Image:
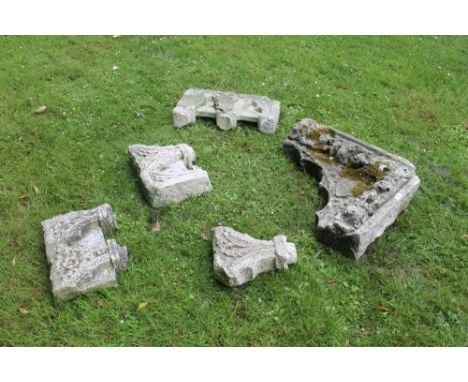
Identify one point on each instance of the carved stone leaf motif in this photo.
(367, 187)
(80, 258)
(227, 108)
(167, 173)
(239, 258)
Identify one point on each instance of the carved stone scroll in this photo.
(80, 258)
(239, 258)
(167, 173)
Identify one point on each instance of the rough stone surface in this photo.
(366, 187)
(227, 108)
(167, 173)
(80, 258)
(239, 258)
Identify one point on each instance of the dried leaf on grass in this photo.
(154, 224)
(383, 309)
(204, 235)
(40, 109)
(154, 227)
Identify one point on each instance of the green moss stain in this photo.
(304, 129)
(365, 177)
(321, 156)
(317, 132)
(367, 174)
(319, 150)
(360, 187)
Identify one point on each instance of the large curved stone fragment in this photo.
(167, 173)
(366, 186)
(239, 258)
(227, 108)
(80, 258)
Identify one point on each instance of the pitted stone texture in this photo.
(367, 187)
(239, 258)
(168, 174)
(80, 258)
(227, 108)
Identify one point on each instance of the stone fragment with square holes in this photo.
(227, 108)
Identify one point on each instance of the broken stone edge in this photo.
(355, 244)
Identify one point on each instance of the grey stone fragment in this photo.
(227, 108)
(80, 258)
(366, 186)
(239, 258)
(167, 173)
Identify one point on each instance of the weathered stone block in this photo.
(239, 258)
(167, 173)
(227, 108)
(366, 186)
(80, 258)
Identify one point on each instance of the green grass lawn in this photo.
(407, 95)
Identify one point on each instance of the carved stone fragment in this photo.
(167, 173)
(80, 258)
(366, 186)
(227, 108)
(239, 258)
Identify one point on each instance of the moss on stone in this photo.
(321, 156)
(304, 129)
(360, 188)
(365, 177)
(319, 150)
(317, 132)
(367, 174)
